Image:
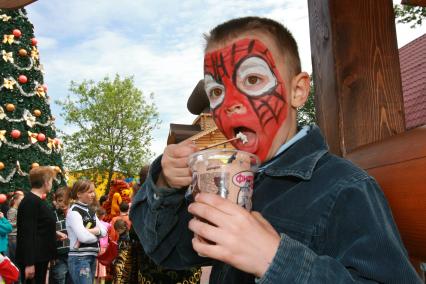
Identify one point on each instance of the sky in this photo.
(160, 43)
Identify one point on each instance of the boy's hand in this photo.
(176, 173)
(61, 236)
(242, 239)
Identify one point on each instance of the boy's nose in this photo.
(236, 108)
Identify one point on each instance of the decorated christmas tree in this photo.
(27, 132)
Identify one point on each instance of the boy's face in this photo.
(244, 82)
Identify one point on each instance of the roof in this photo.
(412, 59)
(180, 132)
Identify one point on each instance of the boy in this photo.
(316, 217)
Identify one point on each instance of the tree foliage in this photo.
(410, 14)
(306, 114)
(114, 124)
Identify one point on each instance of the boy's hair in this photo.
(15, 197)
(80, 186)
(63, 192)
(124, 206)
(120, 224)
(100, 212)
(143, 173)
(39, 175)
(102, 199)
(284, 40)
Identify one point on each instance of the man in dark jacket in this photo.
(36, 224)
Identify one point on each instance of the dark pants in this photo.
(40, 273)
(59, 271)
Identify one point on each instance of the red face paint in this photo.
(246, 94)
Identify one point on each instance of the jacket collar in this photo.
(301, 158)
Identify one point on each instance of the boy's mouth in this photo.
(251, 138)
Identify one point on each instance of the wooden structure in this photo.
(14, 4)
(360, 105)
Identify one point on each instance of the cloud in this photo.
(158, 42)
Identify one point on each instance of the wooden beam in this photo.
(356, 72)
(14, 4)
(421, 3)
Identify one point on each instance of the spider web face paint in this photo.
(246, 93)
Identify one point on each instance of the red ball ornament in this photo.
(43, 196)
(22, 79)
(17, 33)
(45, 88)
(15, 133)
(41, 137)
(3, 198)
(34, 41)
(56, 141)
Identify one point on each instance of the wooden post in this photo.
(356, 72)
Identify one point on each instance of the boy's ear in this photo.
(300, 88)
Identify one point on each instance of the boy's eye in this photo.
(252, 80)
(214, 90)
(255, 77)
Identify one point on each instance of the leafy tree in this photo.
(306, 114)
(410, 14)
(114, 125)
(27, 130)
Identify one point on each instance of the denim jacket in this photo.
(334, 221)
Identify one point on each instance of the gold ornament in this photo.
(8, 39)
(37, 112)
(34, 53)
(8, 84)
(34, 165)
(1, 166)
(2, 114)
(50, 143)
(10, 107)
(7, 56)
(40, 91)
(33, 137)
(2, 135)
(29, 118)
(22, 52)
(5, 17)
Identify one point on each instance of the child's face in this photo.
(244, 82)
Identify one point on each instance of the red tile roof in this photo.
(412, 59)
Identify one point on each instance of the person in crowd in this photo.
(121, 263)
(84, 230)
(5, 230)
(101, 270)
(316, 218)
(12, 215)
(36, 228)
(124, 215)
(59, 266)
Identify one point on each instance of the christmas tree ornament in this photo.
(3, 198)
(2, 135)
(22, 52)
(7, 56)
(43, 196)
(33, 41)
(2, 114)
(22, 79)
(8, 84)
(34, 53)
(29, 118)
(41, 137)
(10, 107)
(37, 112)
(40, 92)
(17, 33)
(8, 39)
(1, 166)
(5, 17)
(15, 133)
(33, 137)
(45, 88)
(34, 165)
